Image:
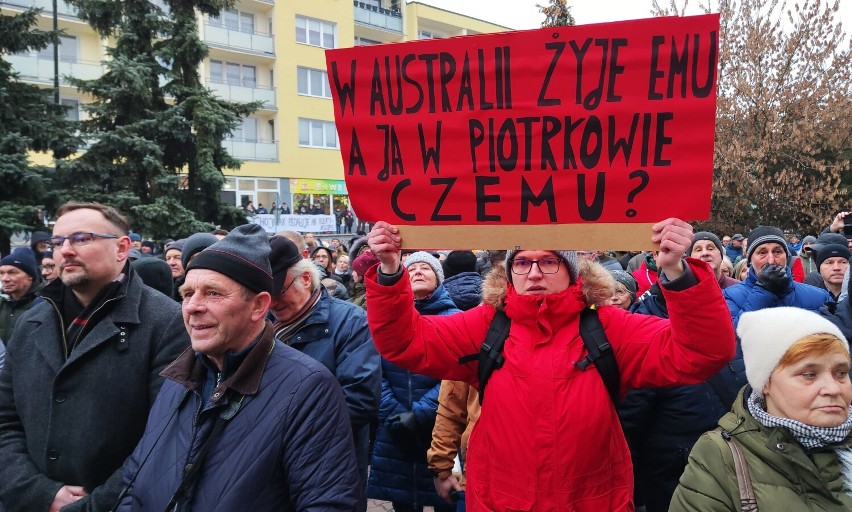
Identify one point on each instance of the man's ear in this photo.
(260, 305)
(124, 246)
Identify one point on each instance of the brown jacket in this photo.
(458, 410)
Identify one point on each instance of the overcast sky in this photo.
(523, 14)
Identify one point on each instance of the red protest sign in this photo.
(608, 123)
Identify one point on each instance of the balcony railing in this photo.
(35, 68)
(62, 8)
(386, 19)
(244, 93)
(255, 42)
(251, 149)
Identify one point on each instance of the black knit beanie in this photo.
(706, 235)
(832, 251)
(23, 259)
(764, 235)
(156, 273)
(243, 255)
(284, 254)
(458, 262)
(195, 244)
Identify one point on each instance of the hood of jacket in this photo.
(596, 284)
(438, 302)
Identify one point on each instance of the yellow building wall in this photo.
(295, 161)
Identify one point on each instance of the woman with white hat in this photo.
(786, 443)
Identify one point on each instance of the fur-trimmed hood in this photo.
(597, 283)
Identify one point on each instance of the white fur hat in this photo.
(767, 334)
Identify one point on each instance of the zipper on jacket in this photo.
(62, 328)
(90, 316)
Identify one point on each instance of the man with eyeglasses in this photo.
(331, 331)
(48, 268)
(82, 370)
(548, 437)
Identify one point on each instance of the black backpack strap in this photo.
(600, 353)
(490, 354)
(190, 474)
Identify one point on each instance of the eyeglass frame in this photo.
(536, 263)
(59, 241)
(284, 290)
(49, 268)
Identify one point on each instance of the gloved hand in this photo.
(404, 433)
(403, 421)
(774, 279)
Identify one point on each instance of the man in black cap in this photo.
(769, 282)
(833, 263)
(39, 243)
(814, 278)
(333, 332)
(462, 281)
(242, 422)
(21, 280)
(734, 250)
(48, 267)
(707, 247)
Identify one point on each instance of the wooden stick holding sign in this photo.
(588, 237)
(569, 137)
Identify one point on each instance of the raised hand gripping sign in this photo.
(593, 126)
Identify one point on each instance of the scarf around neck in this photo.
(807, 435)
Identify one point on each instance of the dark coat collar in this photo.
(189, 372)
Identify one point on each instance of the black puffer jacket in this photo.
(662, 425)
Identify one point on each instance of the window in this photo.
(313, 82)
(363, 41)
(246, 131)
(425, 34)
(315, 32)
(258, 191)
(72, 112)
(67, 50)
(233, 19)
(232, 73)
(317, 134)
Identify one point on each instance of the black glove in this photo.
(774, 279)
(403, 421)
(404, 433)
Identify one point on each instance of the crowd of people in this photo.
(238, 371)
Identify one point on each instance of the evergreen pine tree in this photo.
(29, 121)
(157, 131)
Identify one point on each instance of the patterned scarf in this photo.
(809, 436)
(284, 331)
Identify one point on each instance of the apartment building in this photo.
(272, 52)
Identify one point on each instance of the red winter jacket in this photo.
(548, 437)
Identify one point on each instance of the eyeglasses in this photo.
(284, 290)
(78, 239)
(49, 268)
(522, 266)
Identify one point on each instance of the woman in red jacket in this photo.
(548, 437)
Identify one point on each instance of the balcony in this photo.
(255, 42)
(385, 19)
(34, 68)
(244, 93)
(251, 149)
(62, 9)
